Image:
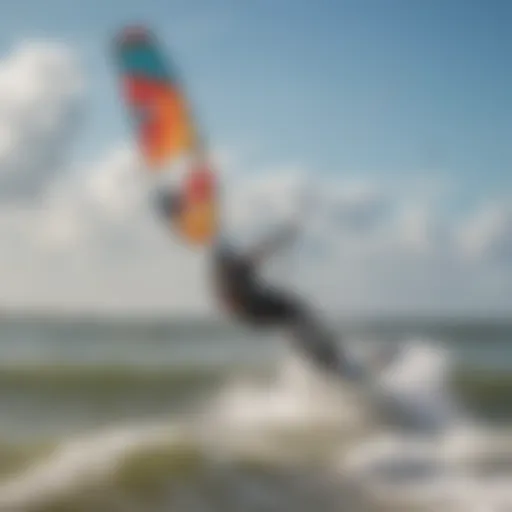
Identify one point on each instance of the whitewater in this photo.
(284, 439)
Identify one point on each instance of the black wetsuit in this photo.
(254, 302)
(245, 294)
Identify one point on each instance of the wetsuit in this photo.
(245, 295)
(241, 289)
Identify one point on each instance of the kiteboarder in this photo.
(244, 294)
(165, 132)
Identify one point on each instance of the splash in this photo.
(294, 440)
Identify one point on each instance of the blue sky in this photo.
(388, 88)
(412, 98)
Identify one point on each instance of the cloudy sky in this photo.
(394, 116)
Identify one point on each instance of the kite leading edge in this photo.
(165, 132)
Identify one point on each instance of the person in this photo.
(244, 294)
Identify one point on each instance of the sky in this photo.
(394, 115)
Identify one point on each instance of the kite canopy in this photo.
(165, 132)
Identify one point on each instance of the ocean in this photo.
(183, 415)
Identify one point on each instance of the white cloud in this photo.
(98, 246)
(358, 206)
(40, 98)
(488, 235)
(255, 202)
(95, 243)
(88, 238)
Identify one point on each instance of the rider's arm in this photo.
(270, 245)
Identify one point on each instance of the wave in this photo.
(177, 467)
(286, 441)
(488, 393)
